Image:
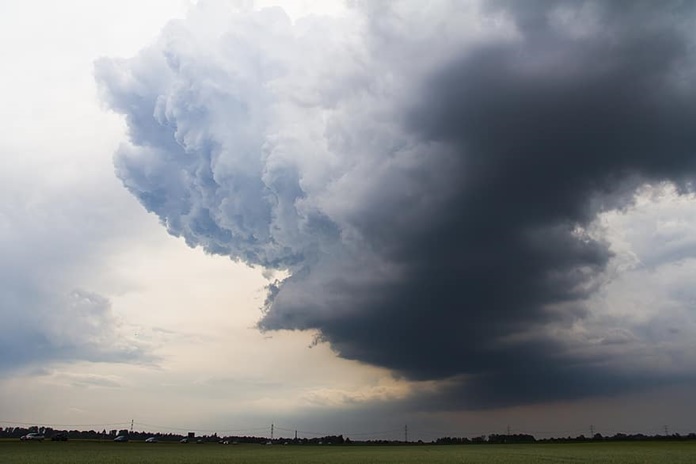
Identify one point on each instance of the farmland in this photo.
(79, 452)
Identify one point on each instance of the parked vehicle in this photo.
(151, 440)
(33, 436)
(61, 436)
(121, 438)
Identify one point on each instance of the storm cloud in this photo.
(429, 178)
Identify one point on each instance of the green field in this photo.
(79, 452)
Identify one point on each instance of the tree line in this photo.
(48, 432)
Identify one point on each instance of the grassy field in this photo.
(79, 452)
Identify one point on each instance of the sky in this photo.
(344, 218)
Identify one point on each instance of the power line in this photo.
(390, 434)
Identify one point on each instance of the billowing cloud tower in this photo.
(429, 177)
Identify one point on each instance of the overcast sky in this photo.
(345, 218)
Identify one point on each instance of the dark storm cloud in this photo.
(551, 130)
(440, 232)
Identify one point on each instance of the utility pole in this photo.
(271, 432)
(406, 433)
(131, 430)
(295, 435)
(591, 431)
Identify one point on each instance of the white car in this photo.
(32, 437)
(151, 440)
